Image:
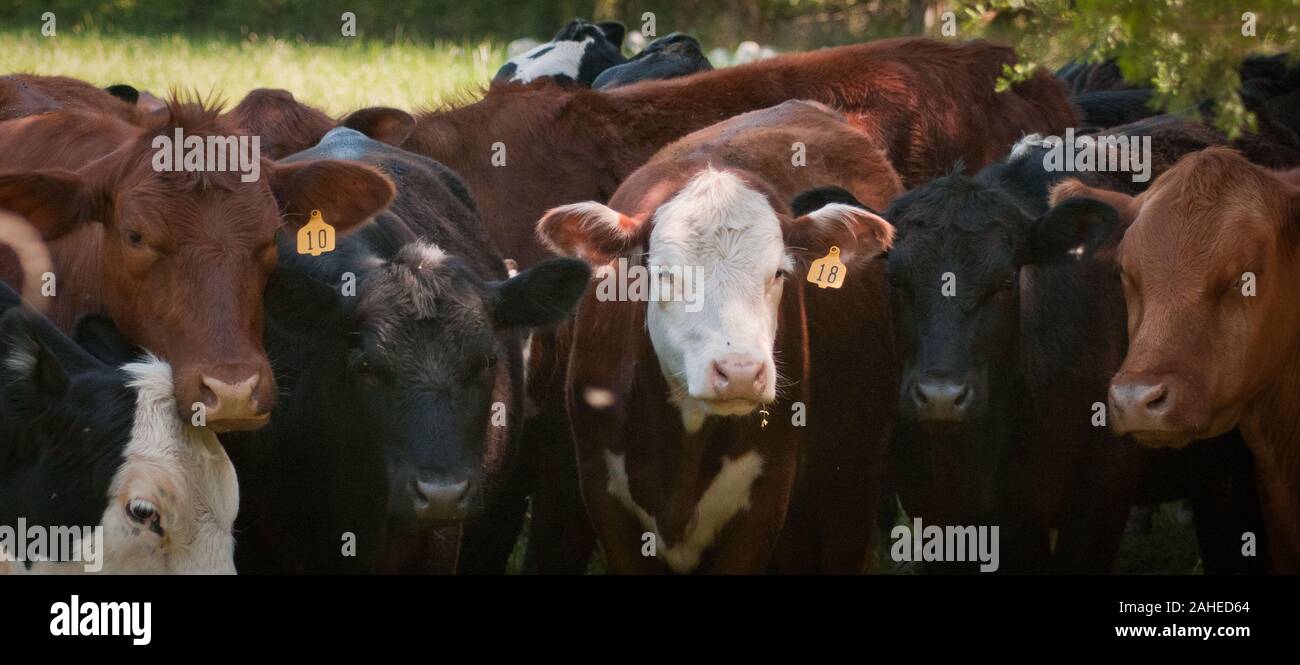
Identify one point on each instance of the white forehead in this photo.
(166, 454)
(717, 221)
(563, 59)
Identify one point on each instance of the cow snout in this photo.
(941, 400)
(236, 405)
(738, 376)
(1144, 408)
(440, 499)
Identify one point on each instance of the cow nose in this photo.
(232, 406)
(440, 499)
(940, 400)
(1141, 406)
(738, 376)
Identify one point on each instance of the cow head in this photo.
(85, 444)
(721, 251)
(955, 275)
(1209, 265)
(184, 256)
(579, 52)
(412, 361)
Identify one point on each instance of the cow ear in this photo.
(99, 336)
(589, 231)
(1071, 230)
(540, 296)
(387, 125)
(858, 232)
(813, 199)
(347, 193)
(124, 92)
(55, 202)
(31, 374)
(1125, 206)
(614, 32)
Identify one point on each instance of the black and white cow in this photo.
(578, 53)
(668, 57)
(88, 444)
(400, 361)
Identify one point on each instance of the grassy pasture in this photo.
(334, 77)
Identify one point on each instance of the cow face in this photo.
(722, 255)
(413, 361)
(86, 445)
(1209, 270)
(579, 52)
(955, 275)
(184, 256)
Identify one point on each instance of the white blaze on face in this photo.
(184, 475)
(726, 234)
(563, 59)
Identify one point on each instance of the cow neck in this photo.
(1271, 426)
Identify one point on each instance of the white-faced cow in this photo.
(578, 53)
(84, 444)
(686, 404)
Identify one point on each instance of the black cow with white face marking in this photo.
(401, 361)
(668, 57)
(578, 53)
(86, 444)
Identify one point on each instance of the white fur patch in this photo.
(1022, 147)
(181, 470)
(726, 495)
(726, 232)
(428, 254)
(564, 59)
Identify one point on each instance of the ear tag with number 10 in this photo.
(827, 272)
(316, 237)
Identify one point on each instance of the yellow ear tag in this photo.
(827, 272)
(316, 237)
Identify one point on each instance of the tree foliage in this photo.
(1188, 50)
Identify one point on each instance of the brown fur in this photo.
(22, 95)
(928, 103)
(189, 288)
(1228, 360)
(824, 476)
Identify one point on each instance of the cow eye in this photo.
(142, 511)
(492, 360)
(781, 273)
(1009, 282)
(134, 238)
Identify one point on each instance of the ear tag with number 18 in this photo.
(316, 237)
(827, 272)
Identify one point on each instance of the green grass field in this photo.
(335, 77)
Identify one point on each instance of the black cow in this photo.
(578, 53)
(668, 57)
(1109, 108)
(1009, 329)
(401, 367)
(85, 444)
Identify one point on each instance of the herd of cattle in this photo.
(1013, 345)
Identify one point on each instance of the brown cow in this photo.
(1209, 266)
(288, 126)
(22, 95)
(179, 259)
(665, 397)
(926, 102)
